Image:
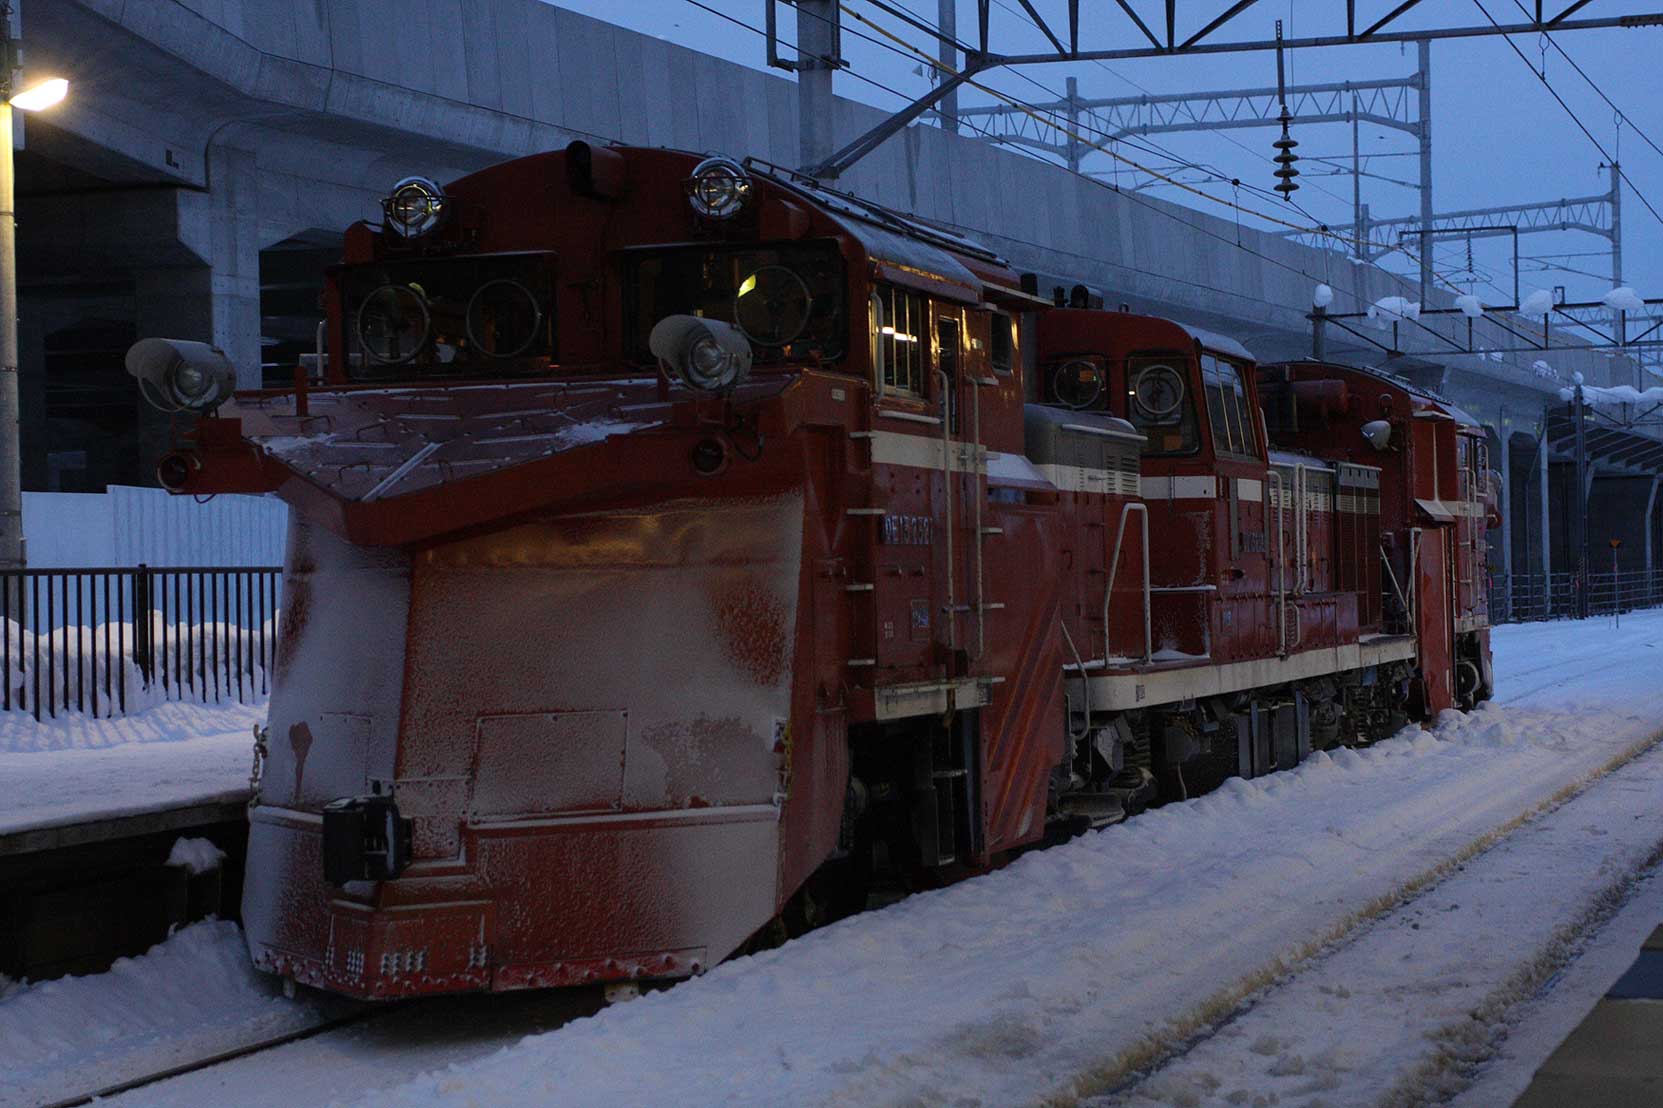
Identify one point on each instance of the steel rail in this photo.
(179, 1070)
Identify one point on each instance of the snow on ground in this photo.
(1537, 1027)
(1067, 963)
(84, 671)
(165, 757)
(1425, 990)
(1000, 990)
(190, 997)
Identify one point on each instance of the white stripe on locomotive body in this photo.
(1146, 688)
(1179, 488)
(926, 452)
(1249, 490)
(1109, 482)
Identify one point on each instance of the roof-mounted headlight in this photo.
(707, 354)
(176, 375)
(719, 188)
(415, 206)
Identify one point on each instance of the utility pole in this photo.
(1074, 154)
(1616, 225)
(1619, 318)
(1424, 50)
(12, 554)
(1360, 235)
(1579, 517)
(946, 22)
(817, 59)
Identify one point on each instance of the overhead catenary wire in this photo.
(1130, 196)
(1574, 117)
(1623, 116)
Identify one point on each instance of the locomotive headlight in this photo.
(176, 375)
(707, 354)
(719, 188)
(415, 206)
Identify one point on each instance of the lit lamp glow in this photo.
(41, 95)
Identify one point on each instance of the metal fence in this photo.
(1525, 597)
(104, 641)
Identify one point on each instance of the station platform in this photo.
(86, 834)
(1614, 1058)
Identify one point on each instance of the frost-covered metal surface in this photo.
(590, 718)
(375, 444)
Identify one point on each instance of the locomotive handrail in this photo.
(1114, 568)
(976, 500)
(1085, 684)
(1273, 475)
(1391, 575)
(947, 490)
(1414, 564)
(1301, 531)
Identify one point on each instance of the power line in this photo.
(1574, 117)
(1635, 127)
(1130, 196)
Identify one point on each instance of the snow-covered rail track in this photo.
(219, 1057)
(1404, 1006)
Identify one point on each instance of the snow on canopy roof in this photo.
(1616, 394)
(1212, 340)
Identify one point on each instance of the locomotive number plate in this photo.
(907, 530)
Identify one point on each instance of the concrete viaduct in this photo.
(198, 179)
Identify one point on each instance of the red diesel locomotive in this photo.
(673, 541)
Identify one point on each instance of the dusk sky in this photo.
(1498, 135)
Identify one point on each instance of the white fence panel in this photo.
(126, 526)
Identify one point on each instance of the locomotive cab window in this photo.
(1229, 414)
(897, 325)
(1002, 342)
(1159, 403)
(786, 299)
(486, 315)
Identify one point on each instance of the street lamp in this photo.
(41, 94)
(31, 96)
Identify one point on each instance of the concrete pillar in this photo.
(1504, 499)
(1651, 510)
(1620, 508)
(209, 292)
(1542, 473)
(817, 55)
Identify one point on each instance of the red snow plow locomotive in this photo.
(675, 541)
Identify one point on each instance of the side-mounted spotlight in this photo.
(176, 375)
(707, 354)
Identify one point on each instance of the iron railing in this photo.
(104, 641)
(1526, 597)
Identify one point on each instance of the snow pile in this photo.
(1392, 309)
(1539, 303)
(1544, 371)
(1623, 299)
(174, 755)
(198, 856)
(1322, 296)
(1615, 394)
(98, 660)
(1470, 305)
(188, 997)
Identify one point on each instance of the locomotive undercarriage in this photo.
(1124, 762)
